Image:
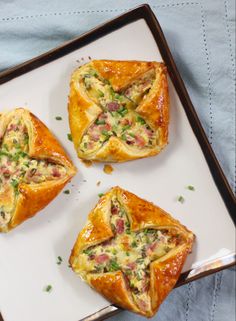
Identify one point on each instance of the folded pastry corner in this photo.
(131, 251)
(119, 110)
(33, 167)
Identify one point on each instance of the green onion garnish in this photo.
(140, 120)
(113, 266)
(100, 93)
(58, 118)
(191, 188)
(48, 288)
(100, 194)
(181, 199)
(134, 244)
(100, 122)
(67, 191)
(59, 260)
(69, 136)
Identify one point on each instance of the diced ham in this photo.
(140, 141)
(107, 127)
(55, 172)
(103, 116)
(6, 173)
(114, 210)
(32, 172)
(2, 168)
(91, 256)
(90, 145)
(13, 127)
(106, 243)
(162, 238)
(150, 248)
(126, 122)
(113, 106)
(95, 136)
(128, 92)
(102, 258)
(142, 304)
(145, 284)
(145, 84)
(131, 265)
(120, 226)
(148, 132)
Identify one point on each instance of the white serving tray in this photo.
(28, 254)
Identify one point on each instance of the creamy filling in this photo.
(131, 252)
(16, 166)
(118, 117)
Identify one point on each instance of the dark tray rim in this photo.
(145, 12)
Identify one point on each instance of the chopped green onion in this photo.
(87, 251)
(6, 147)
(100, 93)
(140, 120)
(100, 194)
(191, 188)
(94, 73)
(69, 136)
(128, 272)
(48, 288)
(140, 260)
(58, 118)
(113, 266)
(67, 191)
(105, 133)
(123, 137)
(26, 138)
(100, 122)
(3, 153)
(134, 244)
(14, 183)
(122, 111)
(27, 164)
(126, 127)
(59, 260)
(127, 253)
(181, 199)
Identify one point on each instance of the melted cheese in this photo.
(118, 117)
(129, 251)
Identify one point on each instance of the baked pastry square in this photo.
(119, 110)
(33, 167)
(131, 251)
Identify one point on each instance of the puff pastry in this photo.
(33, 167)
(131, 251)
(119, 110)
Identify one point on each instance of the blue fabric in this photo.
(201, 37)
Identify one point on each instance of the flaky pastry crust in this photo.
(139, 87)
(34, 167)
(111, 278)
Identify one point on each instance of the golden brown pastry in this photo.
(119, 110)
(131, 251)
(33, 167)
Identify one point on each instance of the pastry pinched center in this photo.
(119, 117)
(16, 166)
(130, 252)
